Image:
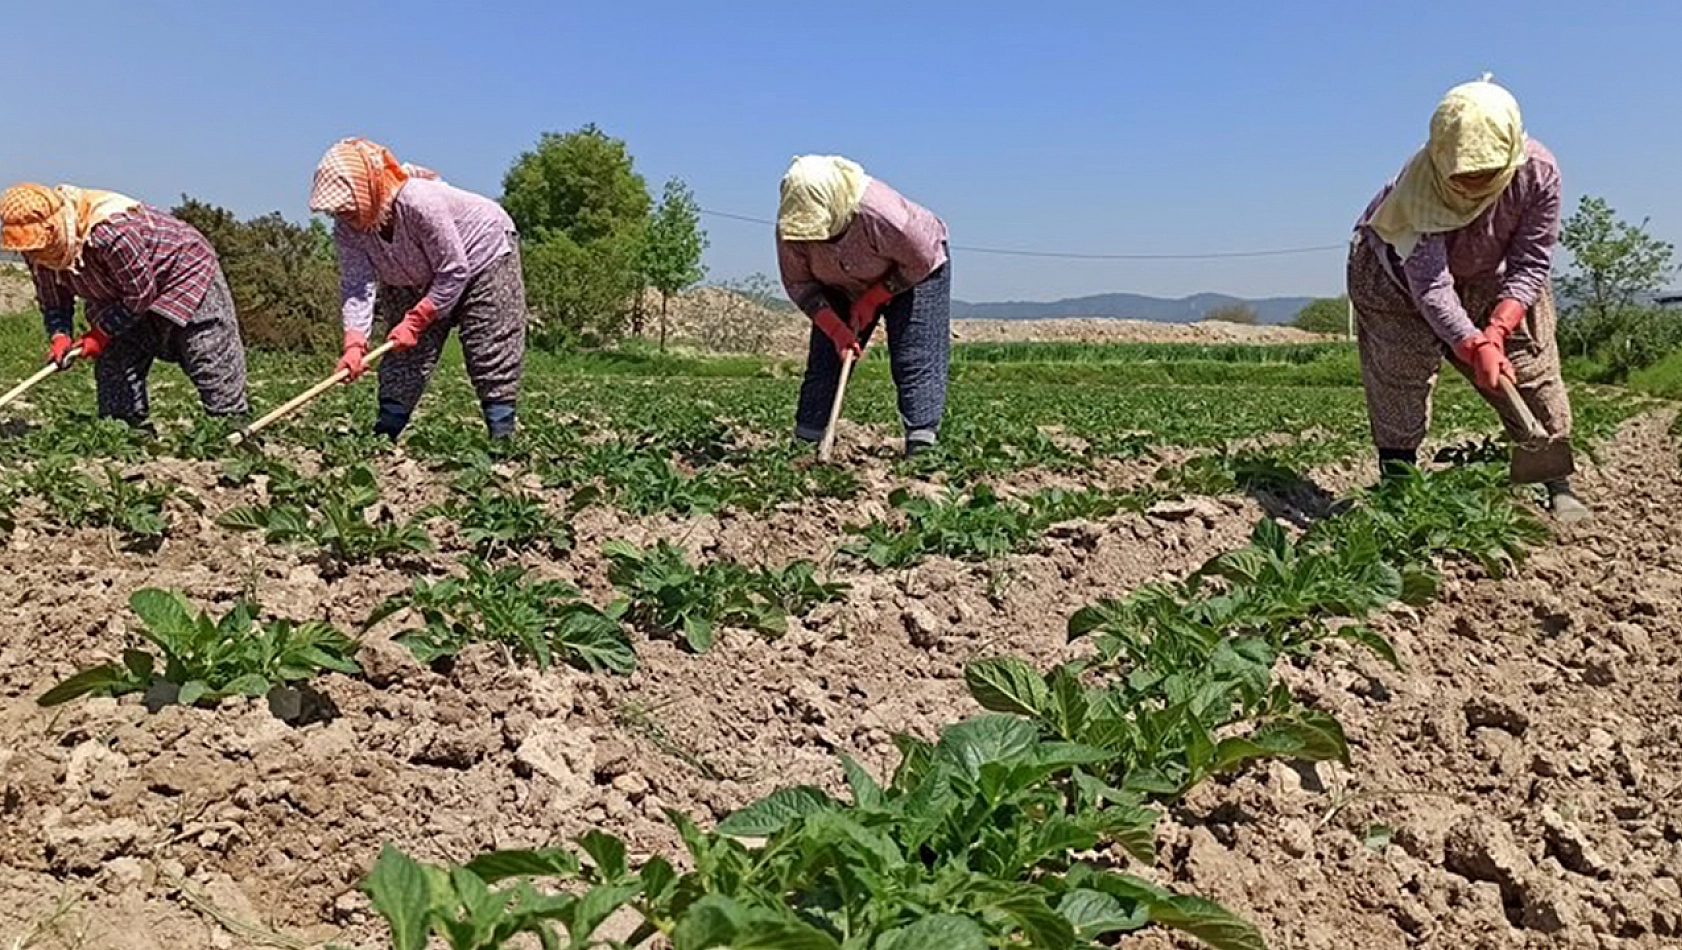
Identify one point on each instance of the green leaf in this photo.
(494, 866)
(398, 889)
(1420, 584)
(698, 633)
(167, 613)
(140, 665)
(107, 676)
(1372, 640)
(765, 934)
(866, 792)
(1377, 837)
(942, 931)
(970, 744)
(1007, 684)
(1208, 922)
(607, 853)
(1094, 913)
(251, 684)
(192, 691)
(710, 922)
(776, 811)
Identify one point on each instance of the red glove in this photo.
(356, 347)
(406, 334)
(845, 340)
(1488, 363)
(868, 305)
(58, 349)
(93, 343)
(1503, 320)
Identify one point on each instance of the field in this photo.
(1132, 660)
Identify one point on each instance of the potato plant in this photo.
(201, 659)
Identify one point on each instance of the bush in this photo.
(581, 293)
(284, 276)
(1662, 379)
(1325, 315)
(1233, 313)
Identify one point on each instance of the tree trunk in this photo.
(665, 307)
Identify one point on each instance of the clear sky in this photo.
(1097, 126)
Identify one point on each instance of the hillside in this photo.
(1129, 307)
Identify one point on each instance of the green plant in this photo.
(130, 505)
(542, 620)
(207, 659)
(335, 518)
(666, 595)
(1328, 315)
(968, 847)
(496, 521)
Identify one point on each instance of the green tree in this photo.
(1233, 313)
(1613, 262)
(582, 211)
(581, 292)
(672, 247)
(1325, 315)
(283, 276)
(583, 184)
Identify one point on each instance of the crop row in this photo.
(1019, 827)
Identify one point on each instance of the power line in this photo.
(1076, 256)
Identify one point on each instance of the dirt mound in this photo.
(718, 319)
(1102, 330)
(1516, 787)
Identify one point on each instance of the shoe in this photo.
(1568, 509)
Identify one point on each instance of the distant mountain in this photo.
(1130, 307)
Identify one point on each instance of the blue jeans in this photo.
(919, 349)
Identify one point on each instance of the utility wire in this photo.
(1075, 256)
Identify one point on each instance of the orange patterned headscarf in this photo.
(358, 181)
(52, 225)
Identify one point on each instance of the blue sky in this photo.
(1099, 127)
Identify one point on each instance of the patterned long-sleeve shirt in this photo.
(1512, 242)
(891, 241)
(441, 238)
(138, 262)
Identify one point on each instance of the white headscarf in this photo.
(820, 196)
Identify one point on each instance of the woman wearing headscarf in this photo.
(1455, 254)
(437, 257)
(152, 286)
(851, 250)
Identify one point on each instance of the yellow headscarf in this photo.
(820, 195)
(52, 225)
(1476, 128)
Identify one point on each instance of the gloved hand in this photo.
(356, 347)
(868, 305)
(1503, 320)
(93, 343)
(407, 333)
(58, 349)
(1489, 364)
(845, 340)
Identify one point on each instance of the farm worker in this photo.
(1455, 253)
(437, 257)
(851, 250)
(153, 289)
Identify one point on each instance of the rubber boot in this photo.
(392, 419)
(499, 418)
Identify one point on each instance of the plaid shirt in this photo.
(142, 261)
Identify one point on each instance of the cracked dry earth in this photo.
(1517, 786)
